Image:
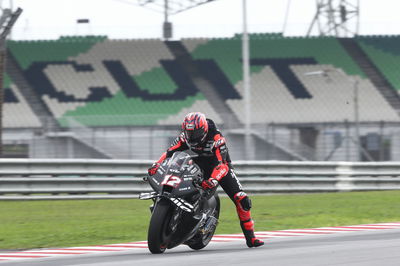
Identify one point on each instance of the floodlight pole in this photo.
(167, 26)
(7, 21)
(246, 84)
(166, 11)
(357, 116)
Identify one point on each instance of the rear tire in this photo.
(158, 229)
(200, 240)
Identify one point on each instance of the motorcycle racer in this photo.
(200, 135)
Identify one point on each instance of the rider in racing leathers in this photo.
(202, 137)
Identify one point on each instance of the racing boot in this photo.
(243, 206)
(248, 231)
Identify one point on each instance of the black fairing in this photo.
(181, 184)
(177, 176)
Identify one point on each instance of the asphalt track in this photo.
(351, 248)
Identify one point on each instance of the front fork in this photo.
(151, 207)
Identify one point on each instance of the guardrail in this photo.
(88, 179)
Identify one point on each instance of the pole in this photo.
(246, 83)
(381, 141)
(8, 19)
(2, 73)
(167, 26)
(357, 118)
(346, 122)
(165, 11)
(286, 16)
(358, 18)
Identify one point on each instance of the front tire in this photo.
(158, 233)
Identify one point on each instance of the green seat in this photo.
(384, 51)
(228, 52)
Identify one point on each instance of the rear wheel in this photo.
(200, 240)
(158, 234)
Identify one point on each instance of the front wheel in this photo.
(201, 240)
(158, 229)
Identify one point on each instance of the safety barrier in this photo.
(89, 178)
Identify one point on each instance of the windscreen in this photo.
(178, 162)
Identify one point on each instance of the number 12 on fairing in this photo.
(171, 180)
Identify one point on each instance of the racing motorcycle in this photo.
(182, 212)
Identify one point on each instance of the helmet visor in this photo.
(194, 137)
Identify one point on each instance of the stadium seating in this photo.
(384, 51)
(101, 82)
(17, 113)
(281, 92)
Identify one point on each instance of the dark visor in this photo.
(194, 136)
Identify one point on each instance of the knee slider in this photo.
(246, 203)
(242, 199)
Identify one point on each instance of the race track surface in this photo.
(349, 247)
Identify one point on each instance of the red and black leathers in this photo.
(214, 160)
(153, 169)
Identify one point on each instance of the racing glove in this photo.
(153, 169)
(209, 184)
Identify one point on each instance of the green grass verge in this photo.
(35, 224)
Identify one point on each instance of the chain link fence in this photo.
(378, 141)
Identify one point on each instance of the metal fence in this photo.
(26, 179)
(379, 141)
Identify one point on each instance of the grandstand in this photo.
(384, 51)
(96, 77)
(112, 98)
(17, 112)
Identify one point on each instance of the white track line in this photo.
(73, 251)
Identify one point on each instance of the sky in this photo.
(124, 19)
